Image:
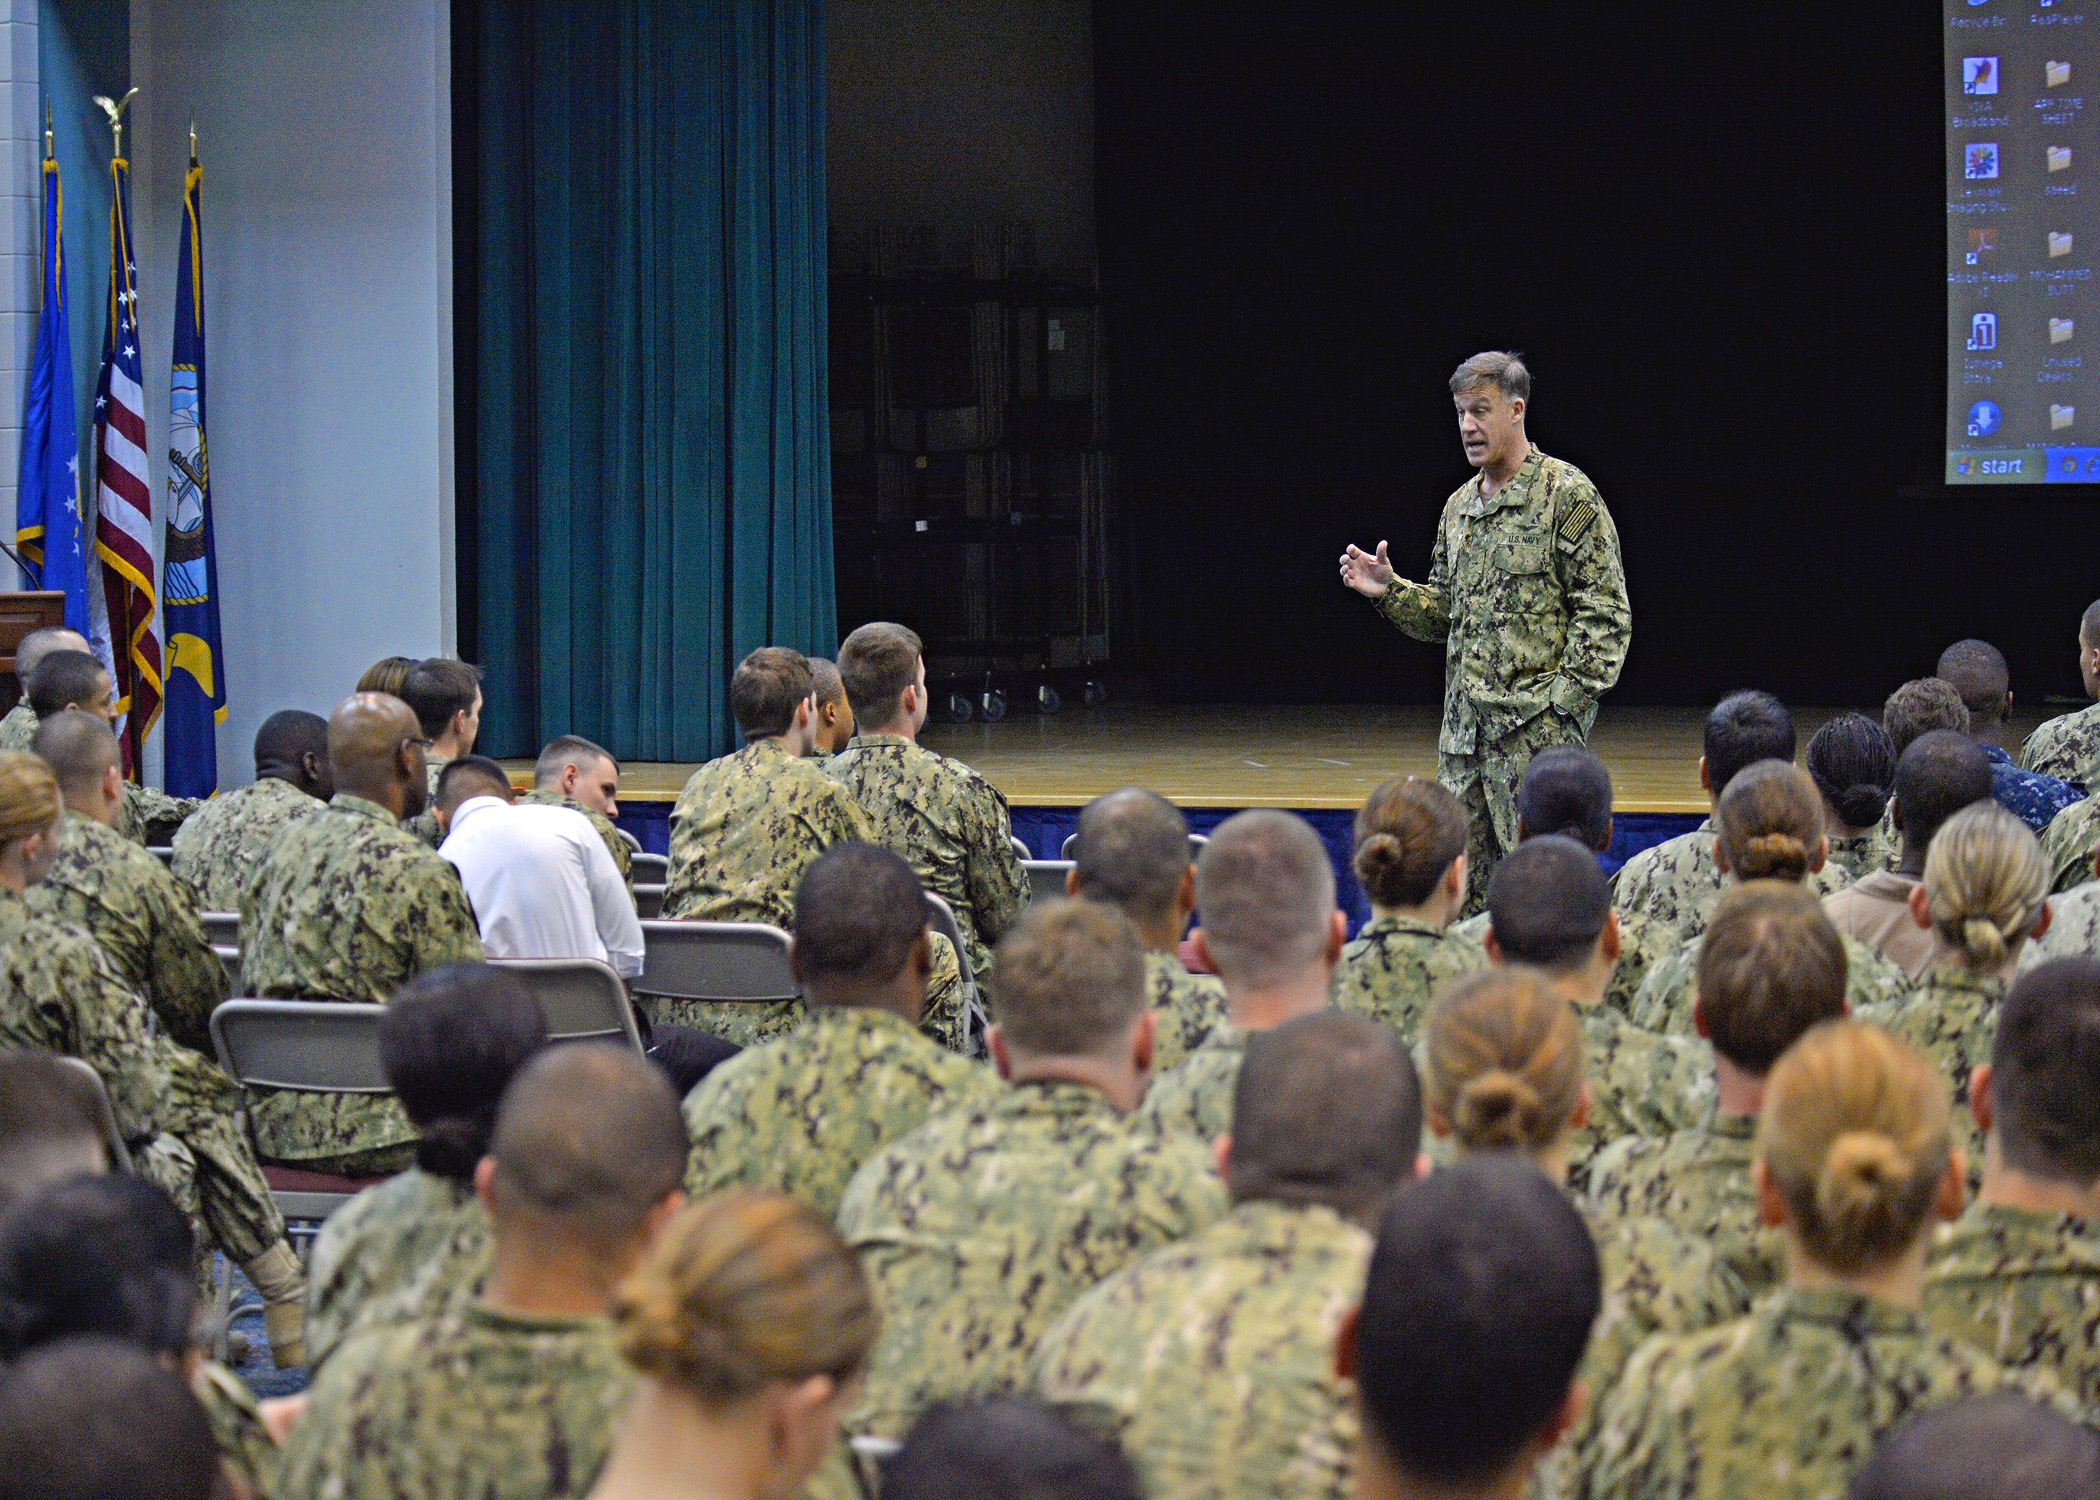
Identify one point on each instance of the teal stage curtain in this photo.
(646, 485)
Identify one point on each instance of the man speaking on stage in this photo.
(1526, 590)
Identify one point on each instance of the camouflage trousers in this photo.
(1485, 783)
(206, 1165)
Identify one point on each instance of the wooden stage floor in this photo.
(1277, 757)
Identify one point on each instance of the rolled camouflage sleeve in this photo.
(1593, 581)
(1422, 610)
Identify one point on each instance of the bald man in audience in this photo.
(1273, 934)
(1133, 854)
(1977, 670)
(349, 906)
(573, 772)
(218, 851)
(516, 1394)
(20, 723)
(65, 679)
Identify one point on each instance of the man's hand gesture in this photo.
(1365, 572)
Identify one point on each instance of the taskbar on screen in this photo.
(2044, 465)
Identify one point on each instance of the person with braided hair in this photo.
(1854, 1161)
(1852, 761)
(1411, 861)
(1768, 825)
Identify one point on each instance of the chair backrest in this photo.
(649, 902)
(725, 961)
(1021, 851)
(650, 869)
(230, 960)
(1070, 847)
(222, 929)
(165, 853)
(583, 998)
(1046, 877)
(940, 916)
(312, 1046)
(105, 1116)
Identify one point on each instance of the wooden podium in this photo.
(36, 609)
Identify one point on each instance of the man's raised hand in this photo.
(1367, 573)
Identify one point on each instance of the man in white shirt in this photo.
(540, 879)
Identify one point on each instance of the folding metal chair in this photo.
(737, 963)
(940, 916)
(230, 960)
(649, 902)
(650, 869)
(222, 929)
(165, 853)
(1070, 847)
(105, 1116)
(583, 998)
(1021, 851)
(1046, 878)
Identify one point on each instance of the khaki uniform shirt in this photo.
(2070, 841)
(1668, 993)
(1678, 881)
(1190, 1007)
(415, 1245)
(2023, 1287)
(346, 906)
(1875, 909)
(1394, 967)
(981, 1227)
(218, 851)
(1212, 1361)
(801, 1114)
(478, 1404)
(2067, 746)
(1194, 1098)
(949, 824)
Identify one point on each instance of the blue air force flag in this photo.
(48, 532)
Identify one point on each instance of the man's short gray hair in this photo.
(1266, 891)
(1499, 368)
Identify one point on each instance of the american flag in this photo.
(123, 492)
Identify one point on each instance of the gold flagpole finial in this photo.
(115, 108)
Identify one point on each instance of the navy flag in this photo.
(47, 502)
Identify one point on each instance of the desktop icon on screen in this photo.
(2056, 75)
(2059, 158)
(1983, 243)
(2059, 244)
(1979, 75)
(2061, 417)
(1984, 418)
(1983, 331)
(2060, 330)
(1980, 161)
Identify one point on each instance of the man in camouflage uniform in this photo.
(583, 777)
(978, 1229)
(2018, 1275)
(500, 1399)
(2068, 746)
(124, 897)
(833, 725)
(1271, 931)
(2071, 841)
(1668, 995)
(19, 726)
(1133, 854)
(1528, 594)
(65, 679)
(348, 906)
(800, 1114)
(445, 697)
(218, 851)
(1212, 1361)
(949, 823)
(1771, 968)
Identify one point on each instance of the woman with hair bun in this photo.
(1411, 862)
(1854, 1163)
(1503, 1071)
(750, 1324)
(1852, 761)
(1768, 825)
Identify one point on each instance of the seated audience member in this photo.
(1999, 1447)
(1212, 1360)
(60, 992)
(451, 1042)
(1133, 855)
(2068, 746)
(220, 847)
(20, 722)
(2018, 1275)
(1854, 1160)
(1549, 908)
(1676, 881)
(2071, 841)
(1272, 933)
(800, 1114)
(1852, 762)
(949, 823)
(1771, 966)
(113, 1257)
(74, 679)
(1770, 827)
(125, 898)
(387, 675)
(2074, 925)
(1977, 671)
(1007, 1448)
(1465, 1349)
(982, 1226)
(514, 1395)
(833, 724)
(348, 906)
(1566, 789)
(1985, 893)
(50, 1125)
(1503, 1070)
(747, 1326)
(1411, 861)
(1939, 773)
(539, 878)
(583, 777)
(445, 697)
(91, 1418)
(1924, 705)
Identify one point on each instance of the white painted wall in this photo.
(325, 132)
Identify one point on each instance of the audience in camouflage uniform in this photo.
(2068, 746)
(218, 851)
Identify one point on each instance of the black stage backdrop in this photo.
(1715, 231)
